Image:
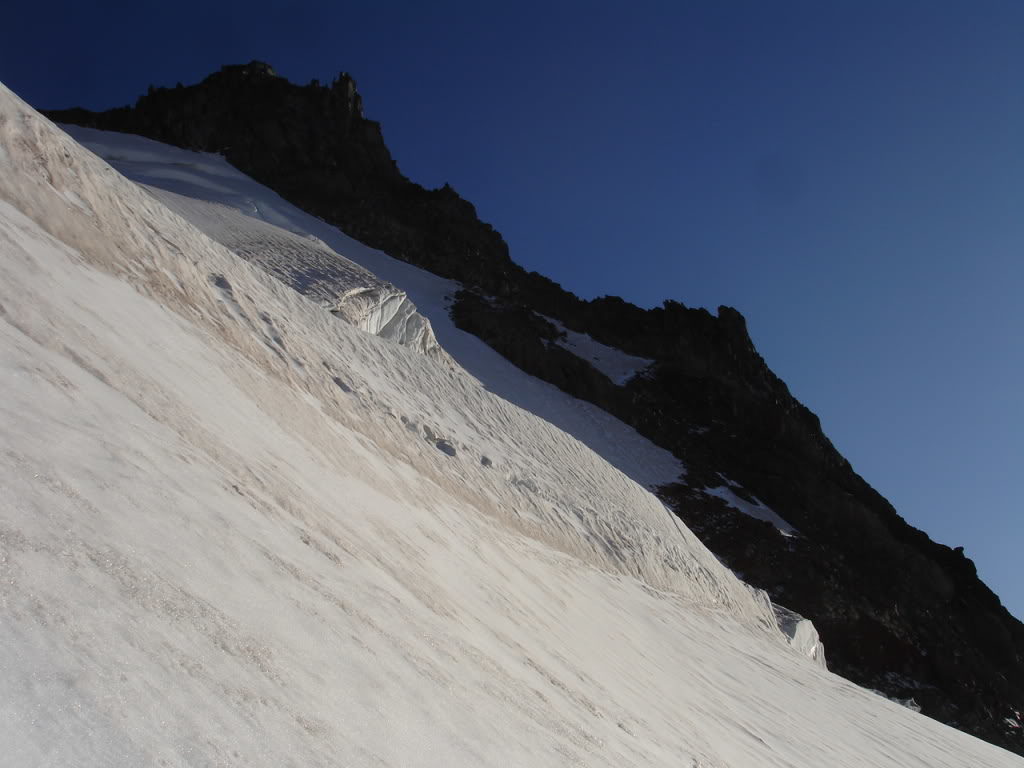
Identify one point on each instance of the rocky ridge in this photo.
(898, 612)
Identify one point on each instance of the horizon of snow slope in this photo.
(228, 537)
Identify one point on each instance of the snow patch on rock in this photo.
(756, 508)
(613, 363)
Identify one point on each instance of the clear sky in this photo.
(849, 175)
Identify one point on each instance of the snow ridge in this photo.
(239, 214)
(174, 174)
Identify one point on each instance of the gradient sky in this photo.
(849, 175)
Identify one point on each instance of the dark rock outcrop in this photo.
(898, 612)
(312, 145)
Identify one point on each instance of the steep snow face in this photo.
(539, 480)
(305, 263)
(237, 531)
(204, 179)
(245, 217)
(801, 634)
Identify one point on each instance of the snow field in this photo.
(228, 537)
(211, 185)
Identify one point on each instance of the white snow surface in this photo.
(254, 223)
(756, 509)
(801, 634)
(306, 264)
(225, 539)
(212, 186)
(613, 363)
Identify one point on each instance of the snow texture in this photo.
(257, 225)
(228, 537)
(207, 178)
(801, 634)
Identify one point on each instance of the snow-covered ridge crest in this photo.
(256, 224)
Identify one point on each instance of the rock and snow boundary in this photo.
(264, 229)
(353, 280)
(259, 226)
(228, 537)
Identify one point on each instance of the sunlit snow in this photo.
(228, 537)
(202, 187)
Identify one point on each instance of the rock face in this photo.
(312, 145)
(898, 612)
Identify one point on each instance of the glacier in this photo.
(202, 187)
(231, 534)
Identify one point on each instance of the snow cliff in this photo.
(257, 225)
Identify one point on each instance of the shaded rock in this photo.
(445, 446)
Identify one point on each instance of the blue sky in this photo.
(849, 175)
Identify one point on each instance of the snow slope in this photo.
(202, 187)
(260, 227)
(228, 537)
